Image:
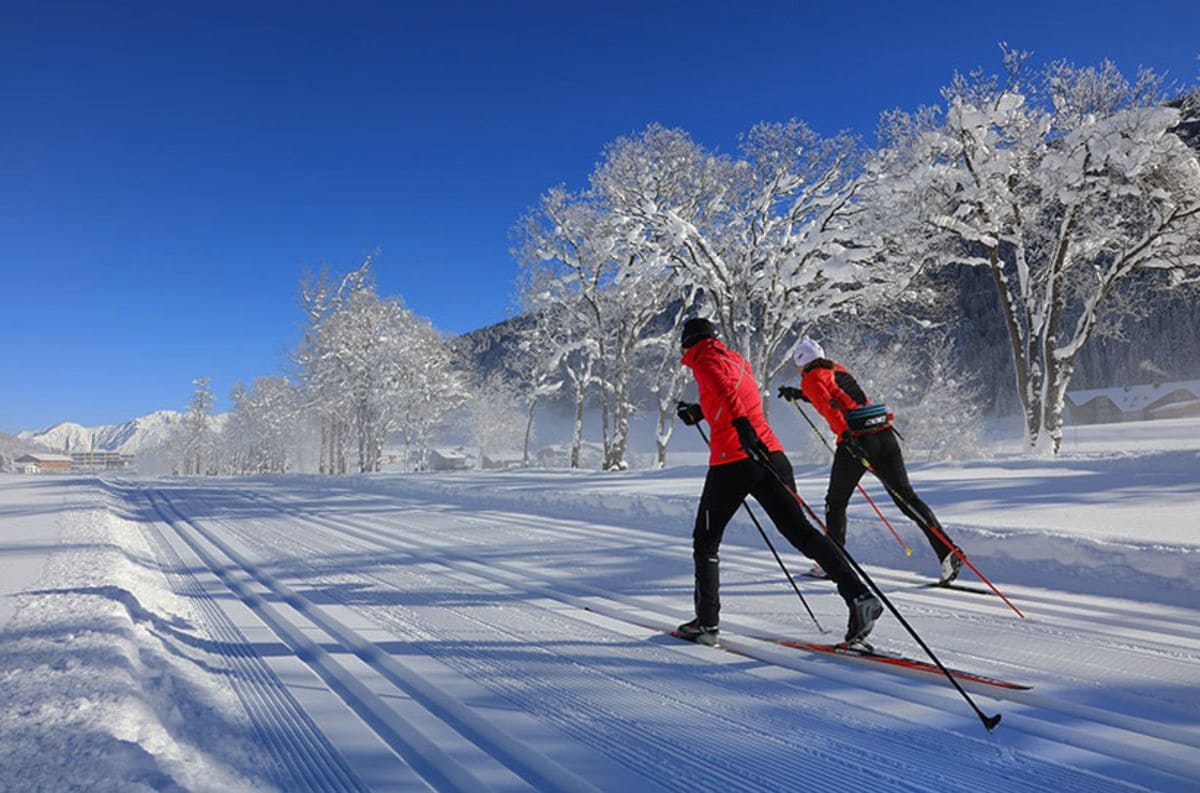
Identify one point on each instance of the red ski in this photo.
(872, 655)
(889, 661)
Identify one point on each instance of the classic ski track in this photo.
(933, 607)
(1070, 711)
(976, 608)
(685, 773)
(658, 755)
(293, 741)
(439, 770)
(988, 606)
(1082, 606)
(1064, 776)
(927, 602)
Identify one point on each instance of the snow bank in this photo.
(97, 693)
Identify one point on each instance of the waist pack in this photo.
(868, 419)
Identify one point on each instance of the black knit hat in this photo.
(696, 329)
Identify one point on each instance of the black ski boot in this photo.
(951, 565)
(865, 609)
(700, 634)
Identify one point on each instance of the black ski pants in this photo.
(882, 450)
(725, 488)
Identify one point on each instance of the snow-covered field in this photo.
(476, 631)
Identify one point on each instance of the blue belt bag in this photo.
(868, 419)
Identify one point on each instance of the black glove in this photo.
(751, 444)
(790, 393)
(689, 413)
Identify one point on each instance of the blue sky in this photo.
(167, 170)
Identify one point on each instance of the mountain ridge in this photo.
(130, 437)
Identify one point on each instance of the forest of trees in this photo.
(1029, 215)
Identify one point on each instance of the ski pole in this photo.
(774, 553)
(989, 722)
(857, 451)
(871, 501)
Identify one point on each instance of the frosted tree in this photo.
(608, 269)
(427, 385)
(767, 238)
(560, 347)
(263, 426)
(199, 440)
(326, 397)
(569, 252)
(668, 377)
(536, 365)
(496, 419)
(371, 368)
(1069, 186)
(912, 369)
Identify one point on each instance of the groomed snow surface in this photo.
(476, 631)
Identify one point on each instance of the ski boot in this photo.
(951, 566)
(693, 631)
(865, 609)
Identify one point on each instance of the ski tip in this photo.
(908, 551)
(991, 721)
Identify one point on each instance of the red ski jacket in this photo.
(728, 391)
(832, 391)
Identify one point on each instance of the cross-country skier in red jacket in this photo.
(835, 394)
(742, 448)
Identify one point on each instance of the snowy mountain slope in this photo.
(131, 437)
(64, 435)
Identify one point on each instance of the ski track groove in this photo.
(583, 717)
(1082, 606)
(968, 606)
(342, 528)
(983, 605)
(437, 770)
(932, 603)
(293, 741)
(903, 777)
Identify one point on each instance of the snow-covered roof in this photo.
(47, 458)
(1136, 397)
(1173, 406)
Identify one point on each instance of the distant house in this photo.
(448, 460)
(499, 463)
(1134, 403)
(101, 460)
(27, 468)
(47, 462)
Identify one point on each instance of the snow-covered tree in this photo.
(767, 238)
(1069, 186)
(912, 369)
(428, 386)
(535, 366)
(496, 419)
(326, 400)
(262, 429)
(667, 376)
(572, 261)
(199, 440)
(371, 368)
